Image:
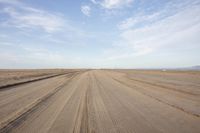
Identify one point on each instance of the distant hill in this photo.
(195, 68)
(190, 68)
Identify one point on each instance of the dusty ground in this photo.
(8, 77)
(104, 101)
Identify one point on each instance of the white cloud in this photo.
(86, 10)
(138, 19)
(26, 17)
(177, 31)
(94, 1)
(51, 27)
(112, 4)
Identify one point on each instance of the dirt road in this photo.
(103, 101)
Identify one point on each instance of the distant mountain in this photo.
(195, 67)
(191, 68)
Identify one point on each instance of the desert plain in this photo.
(99, 101)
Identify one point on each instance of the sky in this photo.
(99, 33)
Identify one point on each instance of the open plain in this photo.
(101, 101)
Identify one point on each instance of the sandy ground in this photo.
(104, 101)
(10, 76)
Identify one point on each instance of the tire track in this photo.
(117, 103)
(10, 86)
(104, 122)
(162, 86)
(20, 117)
(157, 99)
(81, 122)
(73, 109)
(161, 116)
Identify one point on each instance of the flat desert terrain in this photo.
(12, 77)
(99, 101)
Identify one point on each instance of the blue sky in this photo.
(99, 33)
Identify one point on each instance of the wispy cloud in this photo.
(112, 4)
(86, 10)
(51, 26)
(27, 17)
(162, 31)
(34, 37)
(138, 20)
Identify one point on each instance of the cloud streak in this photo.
(51, 26)
(33, 18)
(159, 32)
(112, 4)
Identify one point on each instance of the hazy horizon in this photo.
(99, 34)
